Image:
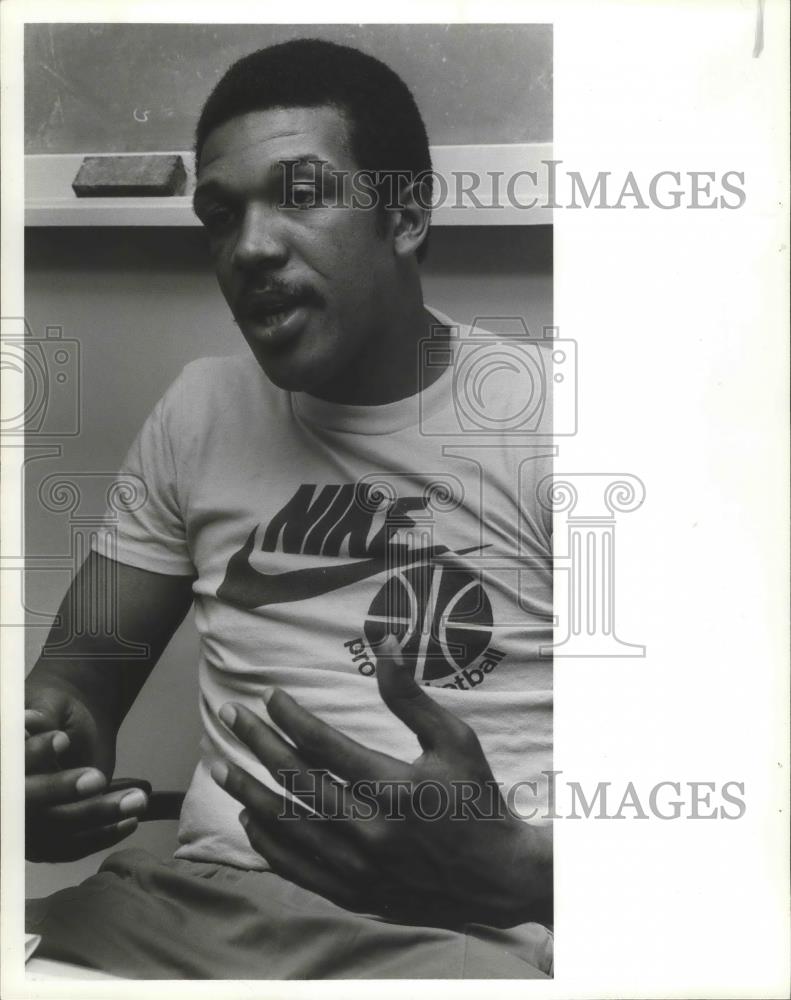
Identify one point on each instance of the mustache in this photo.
(274, 291)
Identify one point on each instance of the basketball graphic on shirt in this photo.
(441, 617)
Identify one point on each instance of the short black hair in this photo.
(386, 130)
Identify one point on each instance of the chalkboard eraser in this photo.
(150, 175)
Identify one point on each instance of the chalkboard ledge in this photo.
(50, 200)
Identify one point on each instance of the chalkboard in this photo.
(139, 87)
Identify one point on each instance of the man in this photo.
(342, 560)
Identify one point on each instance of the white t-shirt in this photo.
(313, 529)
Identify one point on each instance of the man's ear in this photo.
(410, 221)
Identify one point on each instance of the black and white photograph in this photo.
(385, 591)
(339, 481)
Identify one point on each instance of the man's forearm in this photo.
(106, 666)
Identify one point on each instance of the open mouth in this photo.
(269, 308)
(276, 323)
(268, 318)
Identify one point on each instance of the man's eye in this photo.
(218, 218)
(302, 196)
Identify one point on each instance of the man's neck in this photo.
(394, 366)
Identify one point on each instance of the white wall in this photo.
(142, 303)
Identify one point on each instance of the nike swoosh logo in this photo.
(249, 588)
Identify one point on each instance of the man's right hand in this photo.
(69, 811)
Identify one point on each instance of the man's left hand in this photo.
(430, 842)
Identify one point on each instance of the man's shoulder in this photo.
(215, 392)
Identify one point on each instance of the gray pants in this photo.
(143, 918)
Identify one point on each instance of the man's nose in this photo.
(262, 239)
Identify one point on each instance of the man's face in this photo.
(304, 283)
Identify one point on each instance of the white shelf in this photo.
(50, 201)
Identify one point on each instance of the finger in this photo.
(78, 845)
(38, 721)
(295, 865)
(342, 838)
(42, 751)
(125, 784)
(259, 799)
(97, 811)
(358, 886)
(324, 746)
(433, 725)
(64, 786)
(315, 785)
